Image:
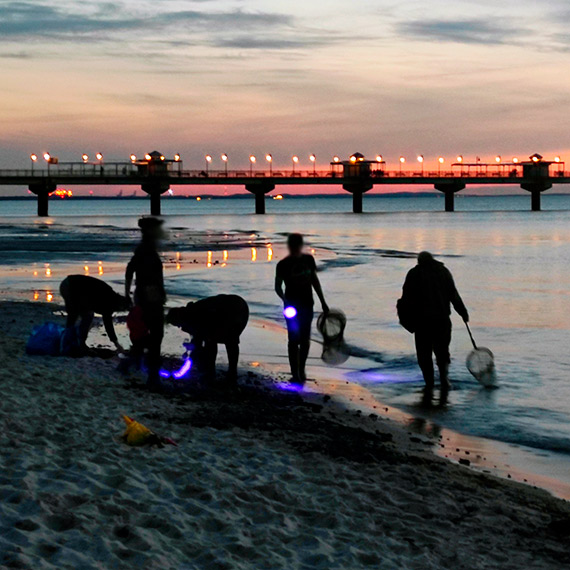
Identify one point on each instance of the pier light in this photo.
(208, 158)
(99, 156)
(557, 159)
(133, 157)
(460, 159)
(353, 159)
(336, 159)
(33, 157)
(147, 157)
(421, 158)
(379, 158)
(84, 157)
(498, 159)
(402, 159)
(177, 157)
(440, 162)
(224, 157)
(515, 160)
(269, 158)
(47, 156)
(535, 159)
(252, 159)
(312, 158)
(295, 160)
(162, 157)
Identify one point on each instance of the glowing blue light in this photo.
(290, 312)
(184, 370)
(178, 374)
(287, 387)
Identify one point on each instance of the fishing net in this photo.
(481, 364)
(332, 325)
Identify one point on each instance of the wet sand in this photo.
(262, 478)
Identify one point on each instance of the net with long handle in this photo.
(481, 364)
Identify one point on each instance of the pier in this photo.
(155, 174)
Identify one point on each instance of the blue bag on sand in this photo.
(70, 344)
(45, 340)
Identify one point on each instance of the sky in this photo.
(433, 77)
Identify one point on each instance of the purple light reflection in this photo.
(178, 374)
(288, 387)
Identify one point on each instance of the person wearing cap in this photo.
(298, 271)
(425, 309)
(150, 295)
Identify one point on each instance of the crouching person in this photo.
(86, 296)
(213, 321)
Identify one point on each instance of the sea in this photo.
(511, 266)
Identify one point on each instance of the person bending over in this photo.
(428, 293)
(298, 271)
(150, 296)
(213, 321)
(86, 296)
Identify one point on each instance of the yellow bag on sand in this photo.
(137, 435)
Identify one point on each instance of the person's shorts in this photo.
(299, 327)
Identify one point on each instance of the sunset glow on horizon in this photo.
(243, 79)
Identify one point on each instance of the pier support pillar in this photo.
(155, 189)
(449, 190)
(536, 189)
(357, 189)
(42, 190)
(259, 190)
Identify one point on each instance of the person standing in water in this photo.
(425, 310)
(298, 271)
(149, 291)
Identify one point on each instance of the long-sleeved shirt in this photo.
(429, 292)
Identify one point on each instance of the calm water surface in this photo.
(511, 266)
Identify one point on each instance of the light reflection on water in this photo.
(512, 268)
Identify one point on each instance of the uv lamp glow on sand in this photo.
(290, 312)
(178, 374)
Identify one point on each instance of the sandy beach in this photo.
(263, 478)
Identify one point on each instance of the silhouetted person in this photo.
(425, 309)
(213, 321)
(298, 271)
(149, 291)
(86, 296)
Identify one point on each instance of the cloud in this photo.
(468, 31)
(26, 20)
